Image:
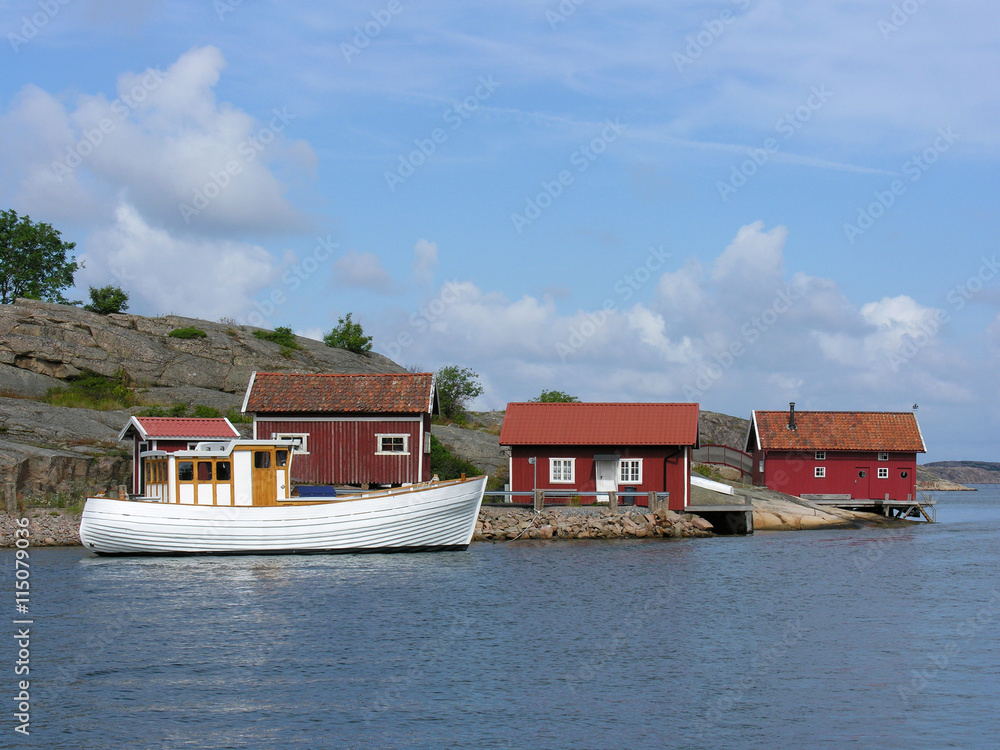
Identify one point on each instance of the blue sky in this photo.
(740, 203)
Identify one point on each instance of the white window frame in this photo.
(821, 455)
(883, 456)
(302, 448)
(552, 470)
(883, 472)
(378, 444)
(622, 463)
(819, 472)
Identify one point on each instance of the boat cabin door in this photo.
(265, 486)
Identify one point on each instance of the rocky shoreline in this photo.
(47, 527)
(504, 524)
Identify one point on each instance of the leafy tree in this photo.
(348, 335)
(107, 299)
(448, 466)
(456, 387)
(33, 260)
(555, 397)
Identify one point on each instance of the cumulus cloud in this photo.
(165, 273)
(183, 159)
(365, 270)
(744, 334)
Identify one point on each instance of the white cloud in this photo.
(361, 270)
(425, 256)
(165, 143)
(163, 273)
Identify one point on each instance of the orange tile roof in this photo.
(396, 393)
(599, 424)
(182, 428)
(839, 430)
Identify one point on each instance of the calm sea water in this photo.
(871, 639)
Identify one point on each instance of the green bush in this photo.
(348, 335)
(447, 466)
(107, 299)
(205, 412)
(282, 335)
(187, 333)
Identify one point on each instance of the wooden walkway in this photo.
(911, 508)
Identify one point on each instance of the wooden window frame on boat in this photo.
(380, 451)
(214, 481)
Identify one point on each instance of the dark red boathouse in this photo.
(866, 455)
(352, 429)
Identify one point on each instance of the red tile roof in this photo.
(396, 393)
(600, 424)
(181, 428)
(839, 430)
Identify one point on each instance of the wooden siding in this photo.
(344, 451)
(664, 469)
(794, 474)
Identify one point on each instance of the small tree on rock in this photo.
(33, 260)
(456, 386)
(107, 299)
(348, 335)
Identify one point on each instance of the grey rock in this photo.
(475, 446)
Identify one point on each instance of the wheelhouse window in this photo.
(204, 471)
(301, 440)
(883, 473)
(223, 471)
(185, 471)
(392, 444)
(883, 456)
(819, 472)
(281, 458)
(262, 459)
(821, 455)
(630, 471)
(562, 470)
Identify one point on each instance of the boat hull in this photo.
(441, 516)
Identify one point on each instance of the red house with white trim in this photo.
(867, 455)
(602, 447)
(170, 434)
(352, 429)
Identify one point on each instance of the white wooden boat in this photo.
(235, 497)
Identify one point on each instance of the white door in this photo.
(607, 478)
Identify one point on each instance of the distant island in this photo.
(966, 472)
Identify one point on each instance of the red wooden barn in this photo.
(170, 434)
(353, 429)
(867, 455)
(602, 447)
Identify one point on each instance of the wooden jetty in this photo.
(909, 508)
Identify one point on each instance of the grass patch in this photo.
(283, 336)
(187, 333)
(91, 390)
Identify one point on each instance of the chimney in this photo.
(791, 415)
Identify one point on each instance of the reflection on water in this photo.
(870, 638)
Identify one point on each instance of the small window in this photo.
(185, 471)
(819, 472)
(392, 444)
(223, 471)
(301, 440)
(561, 470)
(262, 459)
(904, 474)
(204, 471)
(883, 456)
(883, 473)
(281, 458)
(821, 455)
(630, 471)
(862, 473)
